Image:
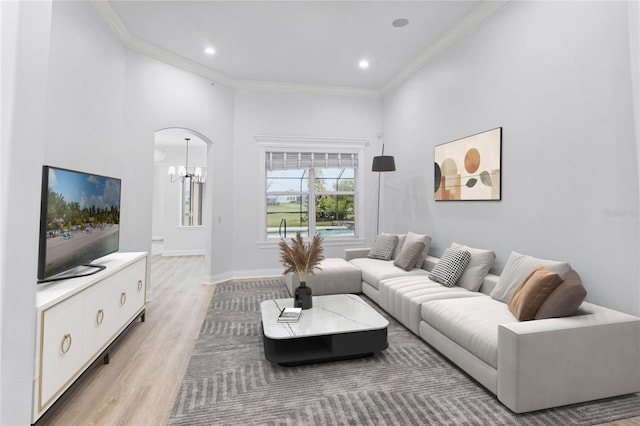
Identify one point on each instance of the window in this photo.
(311, 193)
(191, 202)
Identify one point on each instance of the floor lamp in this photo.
(382, 163)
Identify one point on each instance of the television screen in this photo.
(79, 221)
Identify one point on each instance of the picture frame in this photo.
(470, 168)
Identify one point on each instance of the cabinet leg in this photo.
(105, 359)
(142, 317)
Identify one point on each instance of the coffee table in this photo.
(338, 326)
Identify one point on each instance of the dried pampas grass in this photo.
(300, 258)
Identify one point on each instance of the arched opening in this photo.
(181, 203)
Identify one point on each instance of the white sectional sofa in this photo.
(528, 365)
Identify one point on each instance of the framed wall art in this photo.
(469, 168)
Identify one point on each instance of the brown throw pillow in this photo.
(565, 300)
(532, 292)
(409, 254)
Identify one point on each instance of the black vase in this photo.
(302, 297)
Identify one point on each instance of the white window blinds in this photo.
(308, 160)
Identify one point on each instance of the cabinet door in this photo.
(61, 348)
(131, 290)
(101, 317)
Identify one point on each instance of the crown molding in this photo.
(471, 20)
(306, 88)
(481, 12)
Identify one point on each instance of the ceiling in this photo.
(295, 44)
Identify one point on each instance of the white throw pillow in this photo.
(426, 239)
(477, 269)
(516, 270)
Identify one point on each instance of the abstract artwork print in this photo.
(469, 168)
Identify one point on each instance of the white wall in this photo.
(25, 53)
(288, 114)
(160, 96)
(556, 77)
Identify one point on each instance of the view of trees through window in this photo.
(330, 214)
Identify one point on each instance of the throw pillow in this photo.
(532, 293)
(477, 269)
(426, 239)
(383, 247)
(450, 266)
(517, 268)
(408, 255)
(565, 300)
(396, 251)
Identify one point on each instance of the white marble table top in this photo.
(332, 314)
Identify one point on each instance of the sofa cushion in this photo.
(426, 239)
(409, 255)
(374, 270)
(450, 266)
(471, 322)
(383, 247)
(532, 292)
(403, 297)
(477, 269)
(565, 300)
(517, 268)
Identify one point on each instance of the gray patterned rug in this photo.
(228, 381)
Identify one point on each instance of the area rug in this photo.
(229, 382)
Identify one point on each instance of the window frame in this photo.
(308, 144)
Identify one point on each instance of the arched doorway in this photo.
(180, 203)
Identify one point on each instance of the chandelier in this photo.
(184, 171)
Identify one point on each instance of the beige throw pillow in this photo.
(408, 255)
(426, 239)
(532, 292)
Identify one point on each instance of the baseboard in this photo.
(244, 275)
(195, 252)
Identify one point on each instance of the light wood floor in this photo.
(141, 382)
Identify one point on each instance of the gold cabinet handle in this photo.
(65, 345)
(139, 285)
(123, 298)
(99, 316)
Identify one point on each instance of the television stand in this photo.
(79, 319)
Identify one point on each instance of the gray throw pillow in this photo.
(565, 300)
(450, 266)
(408, 255)
(383, 247)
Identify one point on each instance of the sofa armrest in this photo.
(560, 361)
(355, 253)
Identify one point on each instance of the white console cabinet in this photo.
(77, 320)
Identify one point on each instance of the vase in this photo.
(302, 297)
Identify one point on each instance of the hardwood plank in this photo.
(146, 367)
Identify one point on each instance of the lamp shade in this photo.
(383, 163)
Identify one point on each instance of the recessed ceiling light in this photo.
(210, 51)
(400, 22)
(363, 64)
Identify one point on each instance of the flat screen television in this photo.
(79, 222)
